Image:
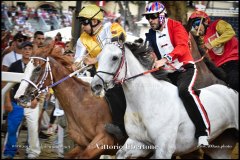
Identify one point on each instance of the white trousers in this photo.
(32, 116)
(60, 136)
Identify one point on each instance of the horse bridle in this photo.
(39, 86)
(116, 74)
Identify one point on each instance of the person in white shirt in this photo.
(16, 54)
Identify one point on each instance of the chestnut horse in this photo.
(86, 114)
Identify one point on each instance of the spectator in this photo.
(17, 113)
(8, 49)
(38, 40)
(58, 40)
(67, 46)
(16, 54)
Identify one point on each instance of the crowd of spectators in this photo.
(16, 18)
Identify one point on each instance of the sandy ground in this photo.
(49, 151)
(49, 148)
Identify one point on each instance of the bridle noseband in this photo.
(39, 86)
(117, 73)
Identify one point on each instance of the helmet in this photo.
(91, 12)
(154, 7)
(200, 14)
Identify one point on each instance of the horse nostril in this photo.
(21, 98)
(97, 87)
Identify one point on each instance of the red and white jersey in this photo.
(173, 41)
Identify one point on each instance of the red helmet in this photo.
(200, 14)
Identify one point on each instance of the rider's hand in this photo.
(74, 67)
(89, 61)
(159, 63)
(208, 45)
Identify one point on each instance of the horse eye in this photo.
(115, 58)
(38, 69)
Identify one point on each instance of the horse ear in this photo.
(120, 38)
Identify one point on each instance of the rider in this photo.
(221, 43)
(169, 40)
(95, 35)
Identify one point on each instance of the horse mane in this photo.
(63, 60)
(67, 63)
(56, 53)
(146, 57)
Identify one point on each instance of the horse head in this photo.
(110, 68)
(37, 75)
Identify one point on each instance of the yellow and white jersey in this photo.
(94, 44)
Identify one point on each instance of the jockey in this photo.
(169, 40)
(221, 43)
(94, 36)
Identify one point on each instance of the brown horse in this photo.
(207, 74)
(86, 114)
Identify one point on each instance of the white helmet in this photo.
(154, 7)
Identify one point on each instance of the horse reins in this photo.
(117, 73)
(45, 75)
(123, 59)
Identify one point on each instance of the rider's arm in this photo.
(179, 40)
(225, 32)
(80, 51)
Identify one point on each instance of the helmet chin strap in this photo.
(161, 19)
(91, 25)
(161, 23)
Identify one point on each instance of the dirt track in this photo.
(48, 148)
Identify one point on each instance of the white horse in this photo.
(155, 117)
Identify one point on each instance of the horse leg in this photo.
(222, 146)
(73, 153)
(133, 149)
(98, 145)
(165, 146)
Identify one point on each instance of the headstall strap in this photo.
(47, 71)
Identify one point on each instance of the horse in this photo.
(155, 118)
(208, 73)
(85, 113)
